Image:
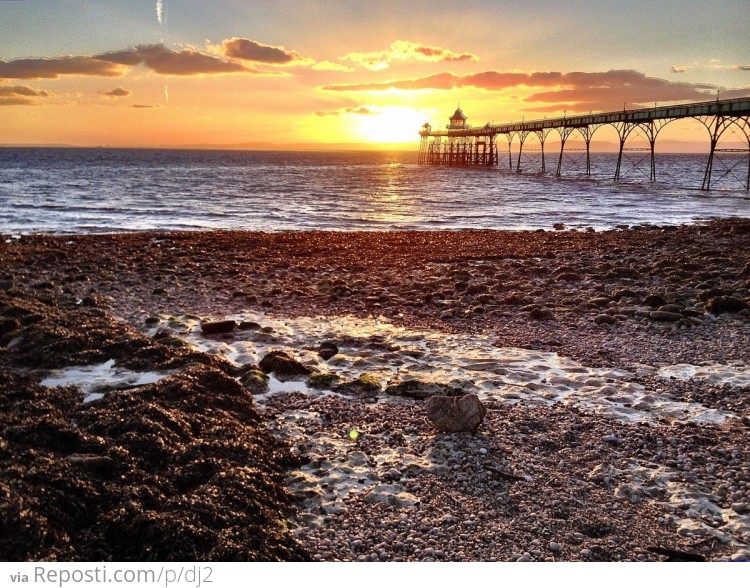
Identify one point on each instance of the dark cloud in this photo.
(161, 60)
(744, 67)
(21, 96)
(361, 110)
(575, 91)
(248, 50)
(117, 93)
(146, 106)
(158, 58)
(59, 66)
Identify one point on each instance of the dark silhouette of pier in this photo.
(460, 144)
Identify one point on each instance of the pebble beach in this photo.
(613, 366)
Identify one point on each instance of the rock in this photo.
(554, 546)
(605, 319)
(283, 366)
(421, 390)
(255, 380)
(559, 226)
(327, 350)
(664, 316)
(323, 381)
(218, 327)
(248, 326)
(453, 415)
(365, 386)
(152, 320)
(671, 308)
(722, 304)
(654, 300)
(100, 465)
(540, 314)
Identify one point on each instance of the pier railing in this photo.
(468, 146)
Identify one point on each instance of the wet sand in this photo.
(614, 366)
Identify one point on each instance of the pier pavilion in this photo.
(460, 144)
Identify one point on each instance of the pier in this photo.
(460, 144)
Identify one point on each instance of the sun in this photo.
(391, 124)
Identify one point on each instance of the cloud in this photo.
(53, 68)
(21, 96)
(576, 91)
(161, 60)
(146, 106)
(443, 81)
(406, 51)
(361, 110)
(679, 68)
(743, 67)
(248, 50)
(331, 66)
(158, 58)
(117, 93)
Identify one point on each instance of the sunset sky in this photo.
(189, 72)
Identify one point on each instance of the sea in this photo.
(101, 190)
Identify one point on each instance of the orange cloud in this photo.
(406, 51)
(21, 96)
(117, 93)
(248, 50)
(577, 91)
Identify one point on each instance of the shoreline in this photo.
(653, 296)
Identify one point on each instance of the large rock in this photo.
(365, 386)
(283, 366)
(420, 390)
(456, 415)
(255, 380)
(722, 304)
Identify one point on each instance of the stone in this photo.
(217, 327)
(420, 390)
(559, 226)
(450, 414)
(327, 350)
(283, 366)
(605, 319)
(248, 326)
(665, 317)
(721, 304)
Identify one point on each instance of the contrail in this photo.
(160, 12)
(161, 16)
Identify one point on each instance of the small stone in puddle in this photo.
(327, 350)
(455, 415)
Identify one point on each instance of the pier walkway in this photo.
(462, 145)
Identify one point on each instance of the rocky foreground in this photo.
(186, 468)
